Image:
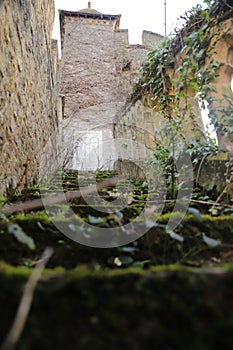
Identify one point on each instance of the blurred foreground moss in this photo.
(162, 308)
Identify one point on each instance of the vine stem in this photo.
(224, 190)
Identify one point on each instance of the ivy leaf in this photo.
(204, 26)
(21, 236)
(175, 236)
(211, 242)
(129, 249)
(184, 48)
(179, 69)
(141, 264)
(196, 213)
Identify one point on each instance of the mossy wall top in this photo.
(28, 87)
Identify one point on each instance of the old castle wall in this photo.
(140, 122)
(98, 65)
(28, 88)
(98, 71)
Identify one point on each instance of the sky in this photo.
(136, 15)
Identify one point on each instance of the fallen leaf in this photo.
(21, 236)
(196, 213)
(211, 242)
(175, 236)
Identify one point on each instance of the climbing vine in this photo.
(183, 63)
(155, 75)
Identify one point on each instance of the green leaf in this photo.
(140, 264)
(2, 200)
(214, 211)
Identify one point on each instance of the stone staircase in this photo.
(156, 292)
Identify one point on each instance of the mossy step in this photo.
(164, 308)
(156, 247)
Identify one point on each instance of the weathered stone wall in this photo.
(221, 95)
(28, 88)
(150, 38)
(98, 70)
(98, 67)
(219, 51)
(222, 91)
(88, 69)
(140, 122)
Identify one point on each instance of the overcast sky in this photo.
(136, 15)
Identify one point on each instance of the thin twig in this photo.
(25, 303)
(58, 198)
(212, 203)
(228, 5)
(224, 190)
(186, 200)
(200, 167)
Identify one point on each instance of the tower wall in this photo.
(98, 65)
(149, 39)
(89, 76)
(98, 71)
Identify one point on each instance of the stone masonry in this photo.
(98, 70)
(28, 88)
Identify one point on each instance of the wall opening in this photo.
(208, 125)
(95, 151)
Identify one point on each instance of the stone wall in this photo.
(220, 109)
(219, 51)
(150, 38)
(140, 122)
(98, 66)
(28, 88)
(222, 90)
(88, 69)
(98, 71)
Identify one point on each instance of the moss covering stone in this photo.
(155, 293)
(163, 308)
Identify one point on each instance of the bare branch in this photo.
(25, 303)
(228, 5)
(58, 198)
